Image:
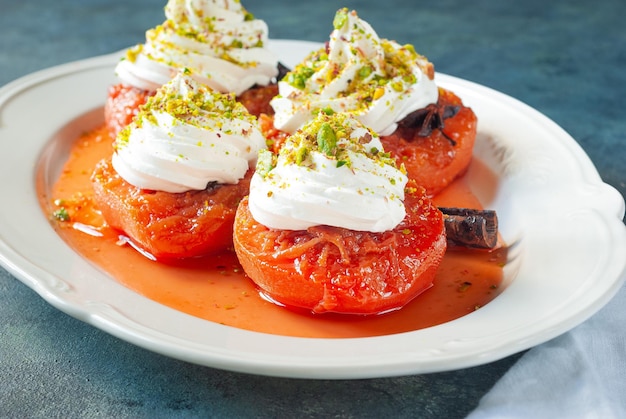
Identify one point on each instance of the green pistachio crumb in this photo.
(301, 154)
(61, 214)
(265, 162)
(365, 71)
(327, 139)
(296, 80)
(341, 18)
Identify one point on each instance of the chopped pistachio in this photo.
(341, 18)
(327, 139)
(365, 71)
(61, 214)
(296, 80)
(301, 155)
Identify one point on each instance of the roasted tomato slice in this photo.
(434, 156)
(169, 225)
(330, 269)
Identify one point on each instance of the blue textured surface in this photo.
(564, 58)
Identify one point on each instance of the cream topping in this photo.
(218, 42)
(186, 137)
(377, 80)
(331, 172)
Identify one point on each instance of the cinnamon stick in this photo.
(471, 227)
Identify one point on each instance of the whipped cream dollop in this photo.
(217, 41)
(186, 137)
(377, 80)
(332, 172)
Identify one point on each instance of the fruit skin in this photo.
(331, 269)
(433, 161)
(169, 225)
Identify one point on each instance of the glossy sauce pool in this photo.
(216, 289)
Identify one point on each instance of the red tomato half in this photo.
(169, 225)
(330, 269)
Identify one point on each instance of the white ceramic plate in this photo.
(567, 260)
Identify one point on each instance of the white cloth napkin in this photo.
(581, 374)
